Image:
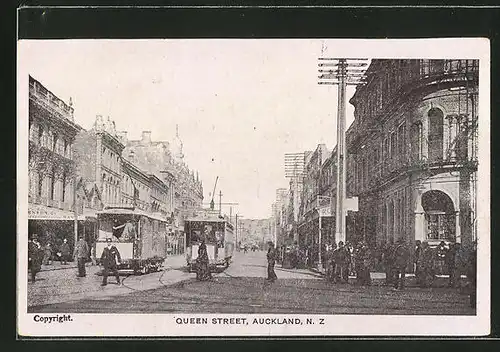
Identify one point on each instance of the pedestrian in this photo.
(427, 269)
(110, 258)
(350, 257)
(81, 255)
(389, 262)
(341, 264)
(92, 255)
(450, 261)
(441, 252)
(65, 252)
(330, 263)
(363, 262)
(401, 256)
(35, 256)
(461, 258)
(47, 254)
(202, 263)
(417, 260)
(472, 274)
(271, 259)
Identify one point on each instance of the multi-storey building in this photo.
(99, 159)
(314, 198)
(412, 152)
(280, 209)
(51, 166)
(184, 190)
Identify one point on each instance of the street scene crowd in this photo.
(393, 259)
(82, 254)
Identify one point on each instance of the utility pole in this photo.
(220, 202)
(236, 237)
(237, 227)
(344, 73)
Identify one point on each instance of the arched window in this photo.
(41, 135)
(435, 136)
(417, 138)
(439, 215)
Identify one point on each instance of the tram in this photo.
(218, 233)
(140, 238)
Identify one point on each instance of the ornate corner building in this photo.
(412, 151)
(51, 165)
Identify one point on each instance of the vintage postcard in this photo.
(263, 187)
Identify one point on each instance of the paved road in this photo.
(242, 289)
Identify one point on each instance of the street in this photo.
(239, 289)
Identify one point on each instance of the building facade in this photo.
(184, 189)
(412, 151)
(315, 207)
(51, 166)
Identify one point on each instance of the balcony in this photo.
(49, 101)
(419, 74)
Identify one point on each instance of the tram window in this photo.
(195, 236)
(219, 235)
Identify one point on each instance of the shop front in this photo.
(51, 225)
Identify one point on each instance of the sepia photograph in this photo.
(253, 186)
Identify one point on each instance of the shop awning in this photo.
(42, 212)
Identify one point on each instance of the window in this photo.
(417, 140)
(435, 136)
(63, 193)
(52, 183)
(40, 183)
(393, 145)
(41, 135)
(401, 140)
(439, 215)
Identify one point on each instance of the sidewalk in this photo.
(378, 278)
(59, 266)
(55, 286)
(172, 261)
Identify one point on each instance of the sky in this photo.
(240, 104)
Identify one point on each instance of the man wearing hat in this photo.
(110, 259)
(271, 260)
(81, 255)
(401, 258)
(34, 256)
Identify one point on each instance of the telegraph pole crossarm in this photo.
(344, 72)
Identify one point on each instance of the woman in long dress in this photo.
(203, 271)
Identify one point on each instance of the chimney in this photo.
(146, 137)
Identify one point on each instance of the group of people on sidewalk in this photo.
(110, 257)
(393, 258)
(344, 260)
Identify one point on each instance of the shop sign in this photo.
(325, 211)
(40, 212)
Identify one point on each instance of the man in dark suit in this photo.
(110, 259)
(34, 257)
(401, 257)
(271, 260)
(81, 255)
